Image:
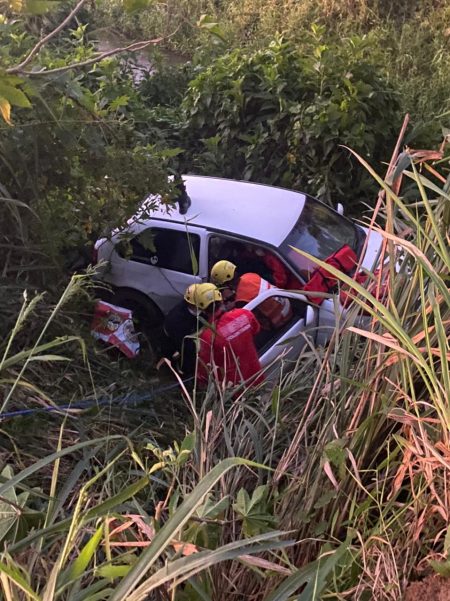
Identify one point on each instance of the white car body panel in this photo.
(165, 287)
(374, 241)
(243, 208)
(291, 339)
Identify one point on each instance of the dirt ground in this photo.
(431, 588)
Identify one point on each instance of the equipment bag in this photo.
(114, 325)
(321, 280)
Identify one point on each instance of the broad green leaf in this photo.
(259, 496)
(186, 448)
(13, 95)
(119, 102)
(208, 24)
(242, 502)
(110, 571)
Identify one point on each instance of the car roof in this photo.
(246, 209)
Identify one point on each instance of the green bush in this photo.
(282, 117)
(73, 166)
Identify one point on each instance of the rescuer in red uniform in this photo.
(273, 269)
(226, 345)
(273, 313)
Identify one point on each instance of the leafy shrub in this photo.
(72, 164)
(167, 86)
(281, 117)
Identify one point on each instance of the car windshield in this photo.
(320, 232)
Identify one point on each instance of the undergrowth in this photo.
(330, 483)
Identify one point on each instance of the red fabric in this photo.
(277, 309)
(361, 277)
(228, 345)
(280, 274)
(294, 283)
(322, 280)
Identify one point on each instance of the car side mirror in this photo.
(340, 208)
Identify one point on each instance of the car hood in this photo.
(374, 242)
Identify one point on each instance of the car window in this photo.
(165, 248)
(247, 256)
(320, 232)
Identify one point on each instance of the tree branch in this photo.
(131, 48)
(44, 40)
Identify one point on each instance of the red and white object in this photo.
(114, 325)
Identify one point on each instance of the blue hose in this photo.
(88, 403)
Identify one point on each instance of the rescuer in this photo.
(180, 322)
(274, 311)
(226, 344)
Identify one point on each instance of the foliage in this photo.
(72, 165)
(348, 455)
(283, 117)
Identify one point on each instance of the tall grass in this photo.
(333, 484)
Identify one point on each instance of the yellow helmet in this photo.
(189, 295)
(222, 272)
(202, 295)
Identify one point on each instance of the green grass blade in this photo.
(16, 577)
(95, 512)
(51, 458)
(174, 524)
(186, 567)
(314, 575)
(81, 563)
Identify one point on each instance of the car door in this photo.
(289, 340)
(160, 261)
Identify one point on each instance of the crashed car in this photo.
(150, 264)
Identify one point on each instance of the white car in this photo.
(150, 272)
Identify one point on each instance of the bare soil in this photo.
(431, 588)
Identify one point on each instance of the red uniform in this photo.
(280, 274)
(228, 346)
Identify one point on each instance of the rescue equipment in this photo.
(321, 280)
(114, 325)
